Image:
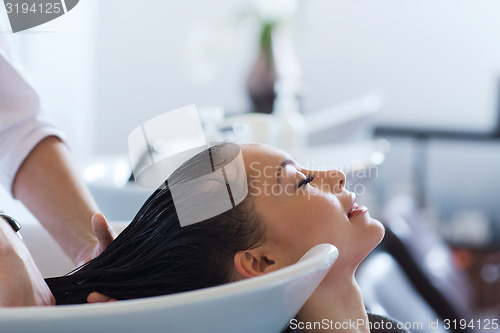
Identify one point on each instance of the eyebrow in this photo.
(283, 164)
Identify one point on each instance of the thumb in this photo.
(103, 231)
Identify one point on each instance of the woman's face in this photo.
(299, 211)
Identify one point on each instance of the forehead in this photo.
(259, 156)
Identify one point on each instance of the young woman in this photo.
(287, 211)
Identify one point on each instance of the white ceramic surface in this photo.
(264, 304)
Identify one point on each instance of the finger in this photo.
(104, 233)
(95, 297)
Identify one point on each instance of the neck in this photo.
(336, 303)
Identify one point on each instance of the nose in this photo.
(334, 180)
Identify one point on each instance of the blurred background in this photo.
(403, 94)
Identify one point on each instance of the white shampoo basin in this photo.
(263, 304)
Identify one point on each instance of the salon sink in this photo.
(263, 304)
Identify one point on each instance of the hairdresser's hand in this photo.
(105, 235)
(21, 283)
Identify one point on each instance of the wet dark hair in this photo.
(155, 256)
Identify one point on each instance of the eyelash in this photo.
(306, 181)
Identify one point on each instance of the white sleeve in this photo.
(22, 125)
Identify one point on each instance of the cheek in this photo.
(326, 213)
(317, 223)
(329, 224)
(298, 223)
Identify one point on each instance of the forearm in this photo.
(50, 188)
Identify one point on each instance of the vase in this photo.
(263, 75)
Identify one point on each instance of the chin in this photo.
(374, 236)
(379, 230)
(374, 230)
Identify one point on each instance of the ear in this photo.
(95, 297)
(251, 263)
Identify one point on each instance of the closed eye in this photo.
(306, 181)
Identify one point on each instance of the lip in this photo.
(355, 208)
(353, 203)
